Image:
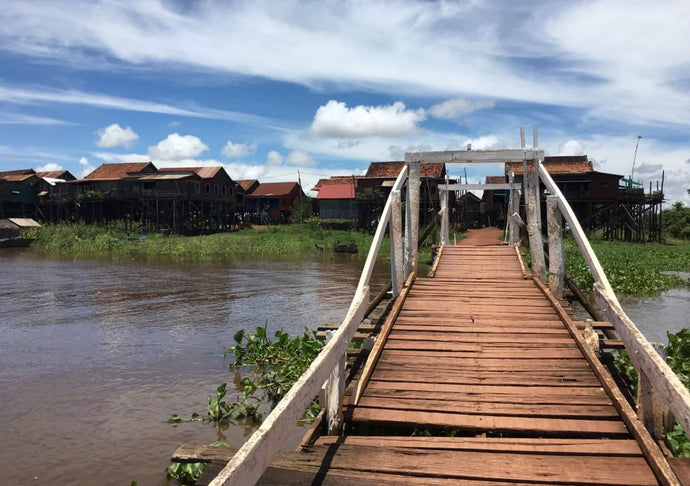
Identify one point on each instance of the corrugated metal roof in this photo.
(569, 164)
(495, 179)
(25, 222)
(17, 175)
(337, 191)
(247, 184)
(274, 189)
(164, 177)
(203, 172)
(64, 175)
(335, 180)
(389, 170)
(111, 172)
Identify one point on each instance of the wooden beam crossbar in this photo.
(478, 156)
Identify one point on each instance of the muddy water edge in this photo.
(96, 355)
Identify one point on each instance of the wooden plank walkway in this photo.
(479, 382)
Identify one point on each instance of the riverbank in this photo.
(294, 239)
(632, 268)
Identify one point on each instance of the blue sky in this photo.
(267, 88)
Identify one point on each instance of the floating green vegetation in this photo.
(632, 268)
(113, 241)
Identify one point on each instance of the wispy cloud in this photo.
(43, 95)
(22, 119)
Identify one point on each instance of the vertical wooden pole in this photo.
(445, 218)
(335, 388)
(534, 230)
(412, 208)
(651, 408)
(513, 207)
(556, 263)
(396, 243)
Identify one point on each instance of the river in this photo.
(96, 355)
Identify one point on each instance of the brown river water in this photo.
(96, 355)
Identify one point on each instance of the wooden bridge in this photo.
(480, 374)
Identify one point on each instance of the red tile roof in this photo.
(111, 172)
(562, 164)
(337, 191)
(274, 189)
(390, 170)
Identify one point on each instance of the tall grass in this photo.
(295, 239)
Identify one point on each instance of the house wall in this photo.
(338, 208)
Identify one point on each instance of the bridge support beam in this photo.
(536, 246)
(555, 229)
(412, 217)
(396, 243)
(513, 207)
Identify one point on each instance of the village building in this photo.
(274, 202)
(19, 193)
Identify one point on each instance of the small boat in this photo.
(344, 247)
(15, 242)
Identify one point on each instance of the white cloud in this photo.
(22, 119)
(114, 135)
(111, 157)
(335, 119)
(174, 124)
(87, 168)
(457, 107)
(487, 142)
(49, 167)
(274, 158)
(300, 158)
(177, 147)
(233, 150)
(571, 147)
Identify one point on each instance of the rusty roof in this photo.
(203, 172)
(495, 179)
(246, 184)
(274, 189)
(17, 175)
(335, 180)
(390, 170)
(111, 172)
(167, 176)
(561, 164)
(63, 174)
(337, 191)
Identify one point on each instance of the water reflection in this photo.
(96, 355)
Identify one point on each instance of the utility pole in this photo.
(632, 174)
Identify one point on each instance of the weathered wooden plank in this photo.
(450, 363)
(476, 337)
(526, 378)
(412, 349)
(507, 409)
(608, 447)
(538, 425)
(471, 328)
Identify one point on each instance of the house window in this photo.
(197, 187)
(207, 189)
(223, 190)
(604, 185)
(216, 189)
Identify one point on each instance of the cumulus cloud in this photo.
(49, 167)
(233, 150)
(335, 119)
(571, 147)
(87, 168)
(457, 107)
(274, 158)
(649, 169)
(177, 147)
(299, 158)
(487, 142)
(114, 135)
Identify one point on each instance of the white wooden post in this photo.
(412, 209)
(513, 207)
(396, 243)
(536, 247)
(556, 263)
(335, 388)
(445, 220)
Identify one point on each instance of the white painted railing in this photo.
(250, 461)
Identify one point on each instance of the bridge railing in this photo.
(250, 461)
(658, 385)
